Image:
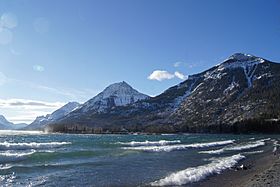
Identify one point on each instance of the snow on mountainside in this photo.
(63, 111)
(42, 121)
(118, 94)
(247, 62)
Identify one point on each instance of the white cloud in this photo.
(161, 75)
(38, 68)
(180, 75)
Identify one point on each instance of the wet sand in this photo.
(262, 170)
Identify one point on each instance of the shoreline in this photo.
(261, 170)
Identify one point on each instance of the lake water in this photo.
(37, 159)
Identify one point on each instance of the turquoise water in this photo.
(36, 159)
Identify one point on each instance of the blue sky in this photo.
(54, 51)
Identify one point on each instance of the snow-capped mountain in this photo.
(41, 121)
(224, 98)
(240, 89)
(6, 125)
(118, 94)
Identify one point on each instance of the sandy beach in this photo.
(259, 170)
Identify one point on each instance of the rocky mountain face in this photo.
(241, 94)
(6, 125)
(116, 95)
(41, 121)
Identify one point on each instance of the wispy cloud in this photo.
(180, 75)
(25, 110)
(69, 93)
(177, 64)
(38, 68)
(161, 75)
(184, 64)
(29, 104)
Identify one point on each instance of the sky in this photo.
(53, 52)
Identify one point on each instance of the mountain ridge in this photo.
(209, 101)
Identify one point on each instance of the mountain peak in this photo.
(241, 60)
(241, 56)
(118, 85)
(117, 94)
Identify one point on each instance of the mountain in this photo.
(41, 121)
(6, 125)
(114, 96)
(241, 94)
(118, 94)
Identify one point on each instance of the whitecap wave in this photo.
(31, 145)
(5, 166)
(196, 174)
(167, 134)
(19, 132)
(247, 146)
(14, 156)
(169, 148)
(253, 152)
(275, 142)
(160, 142)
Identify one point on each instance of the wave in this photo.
(6, 166)
(196, 174)
(250, 145)
(31, 145)
(169, 148)
(160, 142)
(168, 134)
(19, 132)
(253, 152)
(13, 156)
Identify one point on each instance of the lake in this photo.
(39, 159)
